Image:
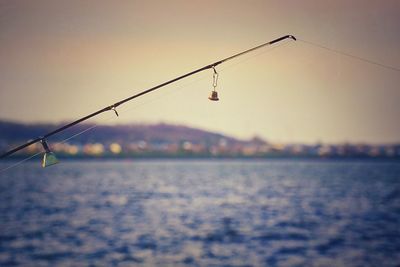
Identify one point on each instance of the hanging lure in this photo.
(214, 94)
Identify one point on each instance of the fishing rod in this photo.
(49, 157)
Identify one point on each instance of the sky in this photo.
(61, 60)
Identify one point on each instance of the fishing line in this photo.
(154, 99)
(81, 132)
(20, 162)
(113, 107)
(41, 152)
(90, 128)
(350, 55)
(55, 144)
(205, 76)
(210, 66)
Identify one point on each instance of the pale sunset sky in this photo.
(61, 60)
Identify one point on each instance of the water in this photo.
(201, 213)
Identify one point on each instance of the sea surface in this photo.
(201, 213)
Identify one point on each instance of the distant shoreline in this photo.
(209, 158)
(174, 141)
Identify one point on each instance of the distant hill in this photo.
(13, 133)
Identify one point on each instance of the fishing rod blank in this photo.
(213, 97)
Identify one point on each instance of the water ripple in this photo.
(201, 213)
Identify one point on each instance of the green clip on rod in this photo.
(113, 107)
